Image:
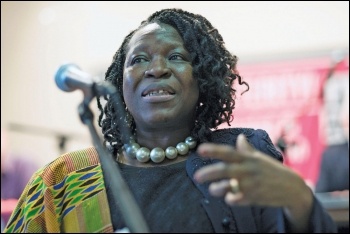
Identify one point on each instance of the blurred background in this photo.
(286, 51)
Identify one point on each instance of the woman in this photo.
(175, 76)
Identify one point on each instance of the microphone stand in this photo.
(111, 172)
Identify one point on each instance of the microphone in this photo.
(69, 77)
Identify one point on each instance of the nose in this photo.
(158, 68)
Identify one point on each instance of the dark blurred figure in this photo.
(15, 174)
(334, 170)
(333, 178)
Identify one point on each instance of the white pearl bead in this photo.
(143, 154)
(171, 152)
(182, 148)
(157, 155)
(191, 142)
(131, 149)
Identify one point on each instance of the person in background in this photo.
(175, 77)
(15, 174)
(334, 169)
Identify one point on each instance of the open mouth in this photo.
(156, 93)
(160, 92)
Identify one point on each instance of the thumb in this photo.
(242, 144)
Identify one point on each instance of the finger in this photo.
(223, 152)
(243, 145)
(220, 188)
(220, 171)
(212, 172)
(234, 198)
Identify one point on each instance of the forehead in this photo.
(158, 32)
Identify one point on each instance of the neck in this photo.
(163, 139)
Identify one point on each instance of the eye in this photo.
(176, 57)
(138, 60)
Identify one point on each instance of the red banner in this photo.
(285, 99)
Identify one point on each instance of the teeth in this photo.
(157, 92)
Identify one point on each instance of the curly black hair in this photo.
(213, 66)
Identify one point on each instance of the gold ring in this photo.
(234, 186)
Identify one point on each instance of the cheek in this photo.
(195, 90)
(193, 84)
(129, 83)
(190, 82)
(186, 74)
(131, 77)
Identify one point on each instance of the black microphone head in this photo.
(62, 76)
(70, 77)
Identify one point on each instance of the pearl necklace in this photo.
(157, 155)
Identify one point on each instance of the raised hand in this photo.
(246, 176)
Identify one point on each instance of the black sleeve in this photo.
(266, 146)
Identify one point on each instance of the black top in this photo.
(172, 201)
(167, 197)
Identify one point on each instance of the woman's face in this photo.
(158, 85)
